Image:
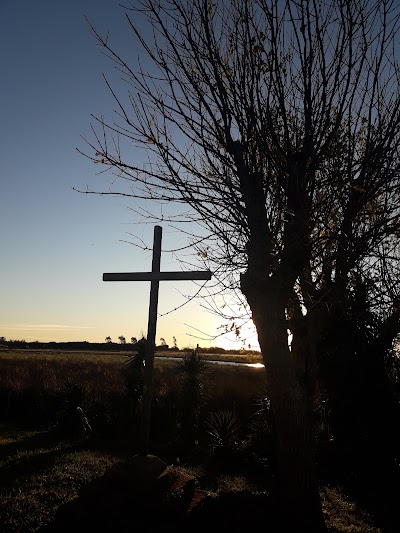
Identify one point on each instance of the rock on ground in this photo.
(144, 494)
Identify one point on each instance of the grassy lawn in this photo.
(41, 470)
(38, 473)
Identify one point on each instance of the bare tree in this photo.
(275, 124)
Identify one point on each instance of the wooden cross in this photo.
(155, 276)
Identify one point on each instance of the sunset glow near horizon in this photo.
(56, 243)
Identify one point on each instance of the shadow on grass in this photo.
(30, 453)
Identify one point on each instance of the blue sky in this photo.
(56, 243)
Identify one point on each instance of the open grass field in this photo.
(100, 375)
(44, 461)
(25, 372)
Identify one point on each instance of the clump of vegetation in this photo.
(133, 375)
(70, 418)
(192, 369)
(260, 426)
(223, 428)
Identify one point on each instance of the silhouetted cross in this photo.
(155, 276)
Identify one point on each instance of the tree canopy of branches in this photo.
(276, 123)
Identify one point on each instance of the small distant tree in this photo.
(175, 344)
(108, 340)
(122, 339)
(134, 340)
(163, 345)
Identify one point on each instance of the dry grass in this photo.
(343, 515)
(97, 373)
(100, 376)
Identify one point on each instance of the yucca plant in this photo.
(260, 425)
(192, 394)
(223, 428)
(193, 364)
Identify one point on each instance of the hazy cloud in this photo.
(34, 327)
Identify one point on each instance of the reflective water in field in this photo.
(230, 363)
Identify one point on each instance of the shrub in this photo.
(71, 419)
(133, 376)
(223, 428)
(260, 426)
(192, 396)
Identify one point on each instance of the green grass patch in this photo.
(39, 473)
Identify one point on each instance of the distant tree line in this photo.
(111, 346)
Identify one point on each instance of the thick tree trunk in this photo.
(292, 414)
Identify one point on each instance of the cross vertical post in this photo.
(151, 342)
(155, 276)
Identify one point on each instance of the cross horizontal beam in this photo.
(157, 276)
